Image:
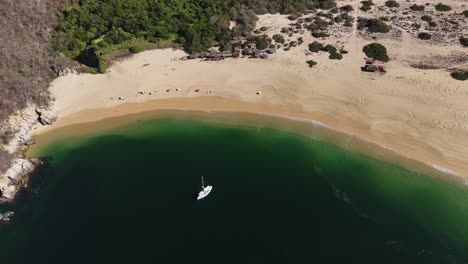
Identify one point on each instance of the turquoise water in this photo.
(128, 196)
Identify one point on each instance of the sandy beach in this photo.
(421, 114)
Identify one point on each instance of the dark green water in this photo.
(127, 196)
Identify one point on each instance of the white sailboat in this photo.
(205, 190)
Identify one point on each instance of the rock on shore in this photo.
(21, 124)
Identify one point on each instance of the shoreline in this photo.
(104, 120)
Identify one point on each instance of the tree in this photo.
(376, 51)
(278, 38)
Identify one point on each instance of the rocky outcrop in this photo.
(21, 124)
(10, 181)
(46, 117)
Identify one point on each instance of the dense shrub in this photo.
(366, 5)
(443, 8)
(278, 38)
(464, 41)
(465, 13)
(315, 46)
(432, 24)
(460, 75)
(311, 63)
(426, 18)
(376, 51)
(335, 56)
(424, 36)
(347, 8)
(392, 3)
(135, 49)
(416, 7)
(348, 24)
(374, 25)
(264, 28)
(329, 48)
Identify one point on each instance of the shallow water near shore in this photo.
(127, 195)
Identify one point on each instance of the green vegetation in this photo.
(464, 41)
(376, 51)
(374, 25)
(392, 3)
(432, 24)
(343, 17)
(311, 63)
(460, 75)
(315, 46)
(416, 7)
(87, 69)
(335, 56)
(426, 18)
(465, 13)
(263, 41)
(95, 31)
(366, 5)
(442, 8)
(135, 49)
(347, 8)
(329, 48)
(424, 36)
(278, 38)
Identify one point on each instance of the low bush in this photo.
(432, 24)
(424, 36)
(366, 5)
(347, 8)
(442, 8)
(348, 24)
(320, 35)
(311, 63)
(392, 3)
(460, 75)
(426, 18)
(465, 13)
(278, 38)
(378, 26)
(335, 56)
(464, 41)
(329, 48)
(416, 7)
(315, 46)
(135, 49)
(264, 28)
(376, 51)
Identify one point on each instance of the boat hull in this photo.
(204, 192)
